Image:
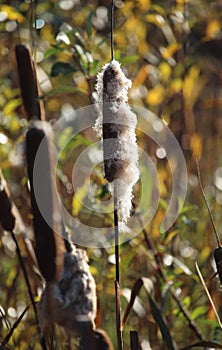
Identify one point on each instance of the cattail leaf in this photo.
(134, 293)
(155, 310)
(7, 218)
(30, 90)
(160, 320)
(49, 244)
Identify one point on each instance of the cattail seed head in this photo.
(116, 125)
(7, 219)
(49, 244)
(71, 299)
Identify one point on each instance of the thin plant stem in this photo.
(117, 277)
(112, 30)
(15, 325)
(208, 294)
(42, 340)
(207, 205)
(116, 227)
(186, 314)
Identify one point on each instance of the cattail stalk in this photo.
(29, 86)
(116, 125)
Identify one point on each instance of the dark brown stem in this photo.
(117, 279)
(134, 341)
(112, 29)
(18, 251)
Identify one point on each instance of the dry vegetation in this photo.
(172, 53)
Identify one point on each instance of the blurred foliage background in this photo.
(171, 50)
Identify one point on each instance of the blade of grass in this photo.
(208, 294)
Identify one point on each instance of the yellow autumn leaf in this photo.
(165, 71)
(181, 2)
(77, 202)
(190, 81)
(155, 96)
(212, 29)
(192, 86)
(196, 146)
(141, 76)
(156, 19)
(12, 13)
(175, 86)
(170, 50)
(144, 4)
(11, 106)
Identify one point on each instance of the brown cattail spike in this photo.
(47, 222)
(7, 219)
(30, 90)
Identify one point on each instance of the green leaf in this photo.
(52, 51)
(129, 59)
(62, 68)
(94, 66)
(198, 311)
(89, 24)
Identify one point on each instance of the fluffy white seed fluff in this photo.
(116, 126)
(72, 299)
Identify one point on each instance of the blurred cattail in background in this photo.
(47, 221)
(30, 90)
(7, 218)
(116, 125)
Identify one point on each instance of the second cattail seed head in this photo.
(116, 125)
